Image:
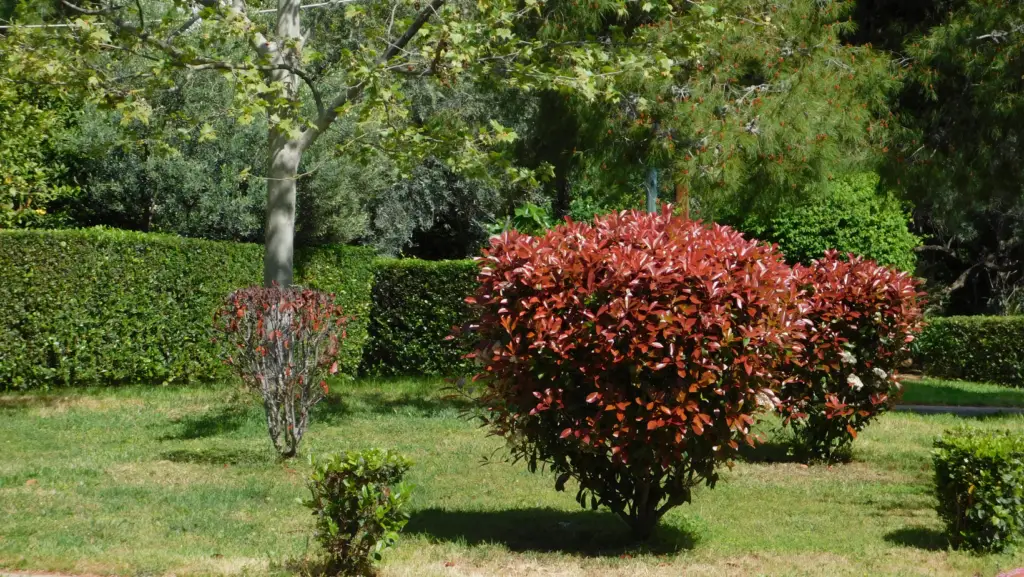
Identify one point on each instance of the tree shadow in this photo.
(336, 407)
(219, 456)
(918, 537)
(585, 533)
(212, 423)
(775, 451)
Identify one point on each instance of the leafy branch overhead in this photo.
(355, 59)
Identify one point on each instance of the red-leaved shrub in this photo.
(862, 319)
(631, 354)
(283, 343)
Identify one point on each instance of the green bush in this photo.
(357, 498)
(415, 305)
(347, 272)
(979, 482)
(851, 215)
(100, 306)
(973, 348)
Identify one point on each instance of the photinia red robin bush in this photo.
(862, 318)
(283, 342)
(631, 354)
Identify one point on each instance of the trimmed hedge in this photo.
(102, 306)
(973, 348)
(979, 482)
(346, 271)
(415, 305)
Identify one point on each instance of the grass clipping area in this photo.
(183, 481)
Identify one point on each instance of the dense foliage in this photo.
(979, 485)
(862, 318)
(956, 153)
(631, 354)
(283, 343)
(986, 349)
(358, 499)
(33, 112)
(100, 306)
(771, 108)
(416, 304)
(850, 215)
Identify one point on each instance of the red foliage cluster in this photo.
(631, 354)
(283, 343)
(862, 319)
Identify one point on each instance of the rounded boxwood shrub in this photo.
(850, 215)
(979, 482)
(631, 354)
(861, 318)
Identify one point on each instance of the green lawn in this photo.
(160, 481)
(960, 393)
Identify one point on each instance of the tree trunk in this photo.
(284, 156)
(652, 189)
(279, 244)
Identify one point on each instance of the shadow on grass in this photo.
(212, 423)
(214, 456)
(918, 537)
(336, 407)
(774, 451)
(586, 533)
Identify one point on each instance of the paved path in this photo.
(959, 411)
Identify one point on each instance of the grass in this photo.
(960, 393)
(163, 480)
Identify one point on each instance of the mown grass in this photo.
(960, 393)
(161, 481)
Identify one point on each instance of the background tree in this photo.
(768, 111)
(354, 68)
(959, 154)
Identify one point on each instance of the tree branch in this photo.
(328, 116)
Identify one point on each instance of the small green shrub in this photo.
(851, 216)
(979, 482)
(357, 498)
(105, 306)
(979, 348)
(415, 305)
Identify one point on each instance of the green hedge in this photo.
(973, 348)
(346, 271)
(979, 482)
(101, 306)
(415, 305)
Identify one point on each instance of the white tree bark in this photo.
(279, 240)
(284, 153)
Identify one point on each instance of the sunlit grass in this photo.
(961, 393)
(155, 481)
